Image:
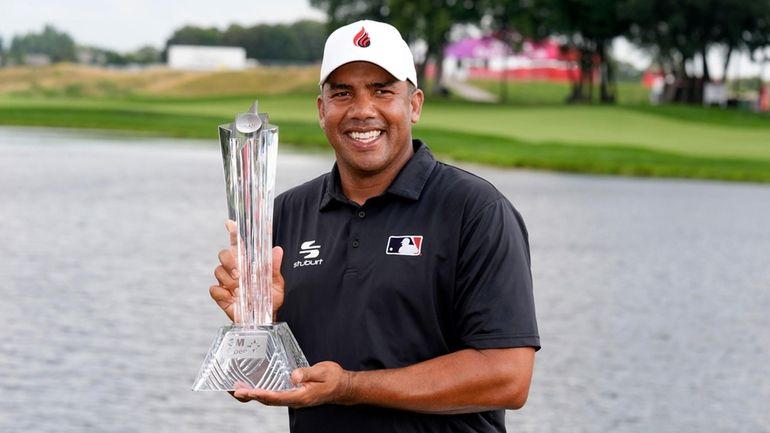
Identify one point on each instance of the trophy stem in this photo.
(253, 164)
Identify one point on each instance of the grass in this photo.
(530, 93)
(537, 132)
(615, 160)
(605, 126)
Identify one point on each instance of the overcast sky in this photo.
(126, 25)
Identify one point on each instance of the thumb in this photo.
(299, 375)
(277, 259)
(320, 372)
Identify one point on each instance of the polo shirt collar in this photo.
(409, 182)
(413, 177)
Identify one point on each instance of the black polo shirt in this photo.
(438, 263)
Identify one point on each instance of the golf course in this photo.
(534, 129)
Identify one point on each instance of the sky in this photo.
(125, 25)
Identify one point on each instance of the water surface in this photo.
(653, 296)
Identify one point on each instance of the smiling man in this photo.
(416, 312)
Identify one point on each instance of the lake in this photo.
(653, 295)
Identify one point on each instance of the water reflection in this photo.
(653, 295)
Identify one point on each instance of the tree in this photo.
(266, 43)
(514, 20)
(431, 21)
(311, 36)
(298, 42)
(590, 26)
(145, 55)
(587, 26)
(341, 12)
(680, 33)
(58, 46)
(192, 35)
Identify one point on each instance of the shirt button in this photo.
(356, 243)
(361, 214)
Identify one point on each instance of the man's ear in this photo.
(321, 110)
(417, 98)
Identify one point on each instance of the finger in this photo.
(298, 376)
(240, 386)
(241, 393)
(227, 260)
(223, 296)
(271, 398)
(242, 400)
(232, 228)
(224, 299)
(225, 278)
(251, 394)
(315, 373)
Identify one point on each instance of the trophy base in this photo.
(260, 357)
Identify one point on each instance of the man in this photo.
(438, 337)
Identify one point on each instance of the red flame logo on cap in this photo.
(361, 39)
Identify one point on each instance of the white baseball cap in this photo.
(369, 41)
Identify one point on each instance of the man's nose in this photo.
(363, 106)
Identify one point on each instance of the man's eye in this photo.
(340, 94)
(382, 91)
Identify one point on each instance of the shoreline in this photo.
(527, 156)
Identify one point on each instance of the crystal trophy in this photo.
(252, 351)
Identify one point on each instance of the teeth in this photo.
(365, 136)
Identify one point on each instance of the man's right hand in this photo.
(226, 293)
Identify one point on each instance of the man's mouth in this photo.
(365, 137)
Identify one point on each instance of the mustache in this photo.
(362, 125)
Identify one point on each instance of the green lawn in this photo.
(626, 139)
(550, 93)
(606, 126)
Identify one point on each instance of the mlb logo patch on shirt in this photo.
(407, 245)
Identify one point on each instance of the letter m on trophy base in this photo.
(253, 351)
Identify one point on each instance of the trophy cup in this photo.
(253, 351)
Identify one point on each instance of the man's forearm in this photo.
(460, 382)
(465, 381)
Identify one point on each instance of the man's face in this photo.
(367, 116)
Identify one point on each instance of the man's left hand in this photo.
(323, 383)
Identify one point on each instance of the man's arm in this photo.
(465, 381)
